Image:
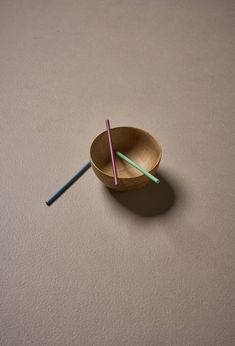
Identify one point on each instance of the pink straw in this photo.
(112, 153)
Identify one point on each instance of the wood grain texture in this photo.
(135, 143)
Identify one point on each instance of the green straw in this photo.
(150, 176)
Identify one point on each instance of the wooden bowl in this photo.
(136, 144)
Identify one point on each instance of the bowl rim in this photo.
(135, 128)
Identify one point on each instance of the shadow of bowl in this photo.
(152, 200)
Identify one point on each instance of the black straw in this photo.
(53, 198)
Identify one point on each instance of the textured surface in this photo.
(155, 267)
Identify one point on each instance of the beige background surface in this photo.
(155, 267)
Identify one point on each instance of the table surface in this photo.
(150, 267)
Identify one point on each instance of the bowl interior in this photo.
(136, 144)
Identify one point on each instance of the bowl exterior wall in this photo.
(125, 184)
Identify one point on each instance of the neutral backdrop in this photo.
(152, 267)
